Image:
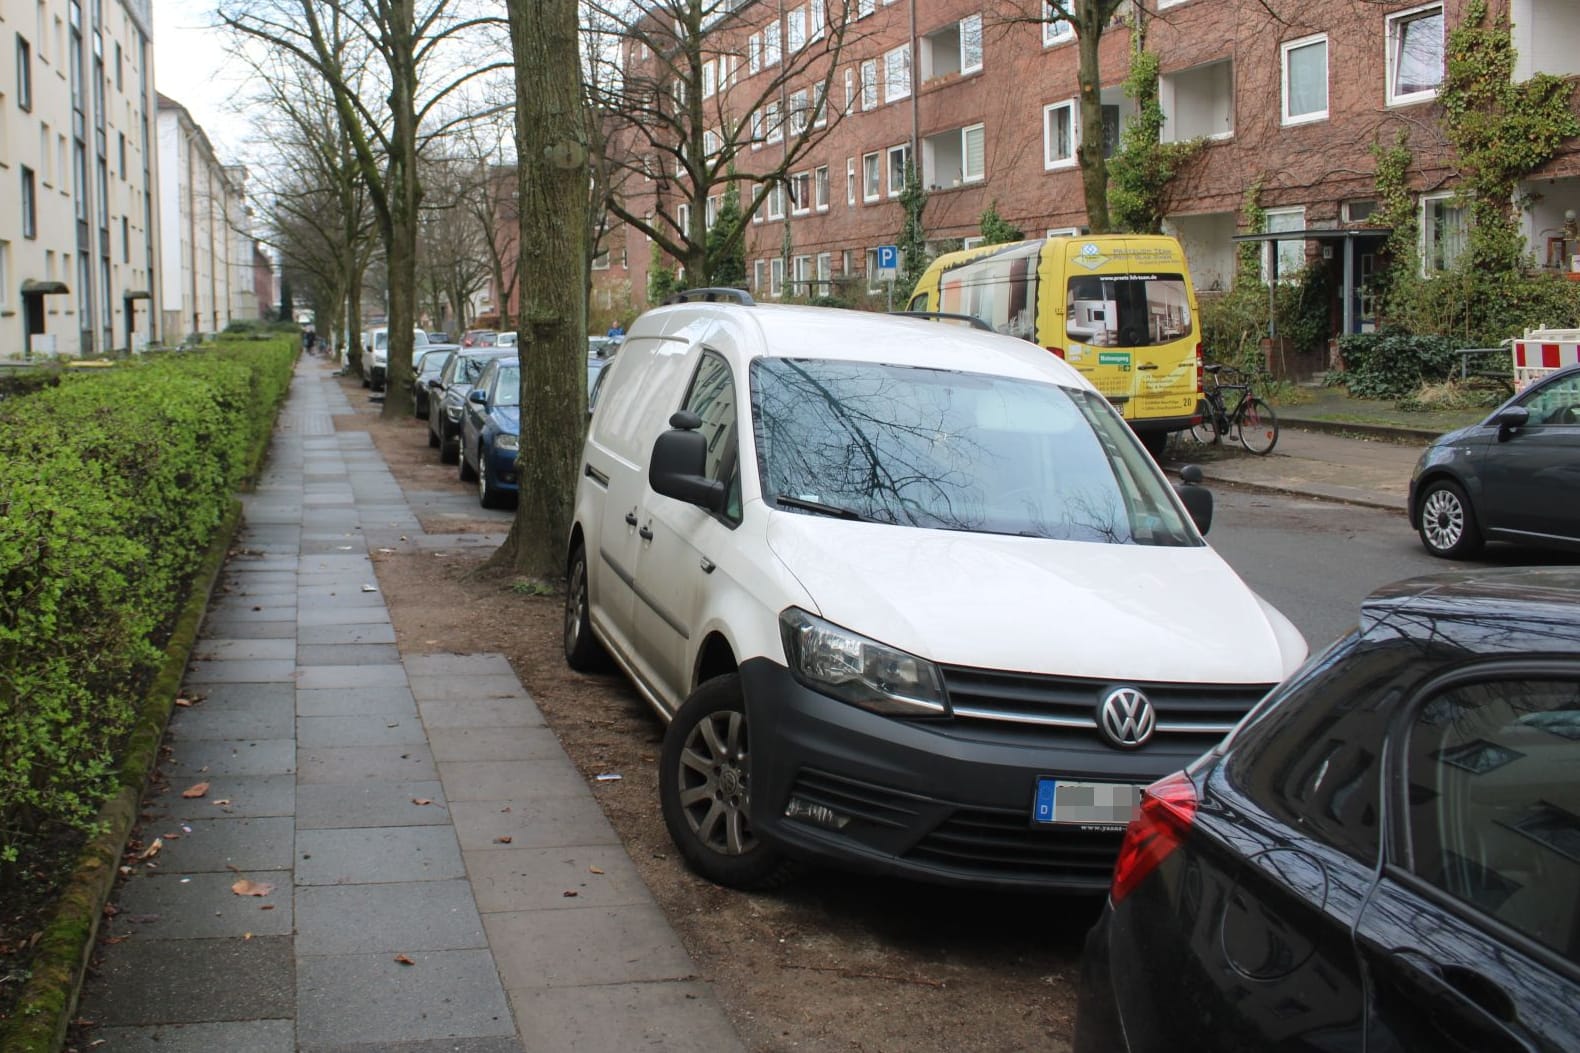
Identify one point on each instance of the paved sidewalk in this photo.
(1371, 472)
(442, 877)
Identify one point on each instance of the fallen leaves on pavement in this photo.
(195, 790)
(246, 887)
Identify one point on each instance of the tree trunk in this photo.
(1091, 17)
(552, 175)
(404, 195)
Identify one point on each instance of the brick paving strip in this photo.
(405, 808)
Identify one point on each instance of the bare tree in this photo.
(398, 45)
(681, 106)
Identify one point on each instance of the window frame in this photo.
(821, 191)
(892, 67)
(1049, 162)
(29, 203)
(1393, 39)
(1051, 34)
(24, 74)
(1284, 51)
(965, 153)
(801, 195)
(876, 174)
(1283, 274)
(967, 67)
(1424, 247)
(869, 85)
(904, 149)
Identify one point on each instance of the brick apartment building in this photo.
(1290, 95)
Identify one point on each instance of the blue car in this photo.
(491, 432)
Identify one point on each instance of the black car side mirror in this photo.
(1196, 497)
(1512, 420)
(680, 457)
(478, 396)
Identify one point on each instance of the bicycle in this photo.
(1248, 418)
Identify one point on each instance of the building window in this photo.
(754, 53)
(871, 173)
(776, 277)
(1415, 54)
(126, 241)
(683, 217)
(803, 276)
(795, 30)
(973, 242)
(956, 48)
(869, 84)
(1291, 255)
(850, 180)
(600, 262)
(1444, 233)
(865, 8)
(897, 73)
(1359, 211)
(775, 124)
(29, 204)
(1059, 135)
(899, 161)
(825, 271)
(759, 276)
(1055, 30)
(1198, 102)
(776, 202)
(874, 283)
(800, 111)
(801, 193)
(24, 75)
(820, 188)
(708, 83)
(953, 157)
(1306, 80)
(123, 156)
(850, 89)
(771, 44)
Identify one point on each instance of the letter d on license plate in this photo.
(1061, 801)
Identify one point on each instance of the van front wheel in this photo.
(705, 787)
(1154, 442)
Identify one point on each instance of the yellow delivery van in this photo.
(1117, 307)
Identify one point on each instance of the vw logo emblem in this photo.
(1126, 718)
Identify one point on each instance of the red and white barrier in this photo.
(1541, 351)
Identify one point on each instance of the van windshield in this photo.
(948, 450)
(1127, 310)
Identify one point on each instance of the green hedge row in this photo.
(1390, 364)
(111, 485)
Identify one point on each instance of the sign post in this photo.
(888, 260)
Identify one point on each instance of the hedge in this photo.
(111, 485)
(1390, 364)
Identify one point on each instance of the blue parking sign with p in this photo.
(888, 257)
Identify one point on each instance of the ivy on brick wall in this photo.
(1140, 171)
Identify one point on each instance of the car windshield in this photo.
(472, 368)
(955, 451)
(507, 386)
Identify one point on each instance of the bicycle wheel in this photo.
(1258, 426)
(1206, 432)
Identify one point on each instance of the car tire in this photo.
(583, 652)
(487, 496)
(704, 786)
(463, 470)
(449, 451)
(1446, 521)
(433, 440)
(1155, 442)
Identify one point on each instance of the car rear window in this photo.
(1127, 310)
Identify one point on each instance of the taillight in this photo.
(1167, 808)
(1200, 372)
(1059, 351)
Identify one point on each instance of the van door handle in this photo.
(630, 519)
(1149, 365)
(645, 534)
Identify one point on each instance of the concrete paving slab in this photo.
(202, 906)
(385, 730)
(362, 805)
(272, 719)
(457, 688)
(247, 608)
(228, 796)
(504, 780)
(520, 742)
(338, 597)
(400, 917)
(370, 633)
(241, 563)
(355, 702)
(347, 654)
(185, 981)
(374, 1000)
(352, 764)
(381, 854)
(482, 713)
(242, 1036)
(341, 676)
(253, 589)
(451, 665)
(241, 672)
(243, 696)
(678, 1016)
(498, 1044)
(580, 947)
(531, 824)
(539, 878)
(313, 617)
(218, 845)
(260, 757)
(222, 625)
(216, 648)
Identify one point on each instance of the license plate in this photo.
(1062, 801)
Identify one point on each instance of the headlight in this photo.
(863, 672)
(508, 442)
(452, 410)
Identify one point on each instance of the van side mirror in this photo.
(1196, 497)
(679, 460)
(1512, 420)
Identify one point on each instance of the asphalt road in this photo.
(1317, 560)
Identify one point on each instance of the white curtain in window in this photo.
(1308, 79)
(973, 148)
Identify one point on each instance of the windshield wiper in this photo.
(791, 501)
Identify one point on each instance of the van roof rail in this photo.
(712, 294)
(970, 319)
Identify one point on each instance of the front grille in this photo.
(1056, 702)
(863, 800)
(1004, 843)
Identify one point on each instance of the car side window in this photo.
(1493, 813)
(712, 397)
(1558, 403)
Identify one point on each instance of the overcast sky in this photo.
(191, 67)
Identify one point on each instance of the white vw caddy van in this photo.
(912, 597)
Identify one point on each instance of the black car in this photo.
(425, 371)
(446, 401)
(1385, 854)
(1513, 477)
